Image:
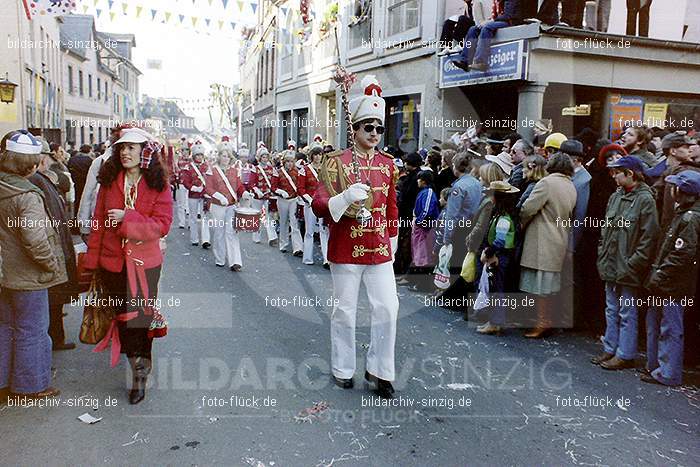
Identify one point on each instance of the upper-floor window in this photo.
(360, 24)
(89, 85)
(402, 15)
(99, 89)
(71, 89)
(80, 83)
(106, 95)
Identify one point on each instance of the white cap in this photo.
(134, 135)
(197, 148)
(502, 160)
(23, 142)
(370, 105)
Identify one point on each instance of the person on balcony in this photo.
(459, 19)
(478, 42)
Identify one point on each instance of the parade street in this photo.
(243, 378)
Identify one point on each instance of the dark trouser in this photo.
(455, 31)
(572, 12)
(133, 334)
(635, 9)
(56, 331)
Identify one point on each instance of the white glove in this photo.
(307, 197)
(394, 241)
(197, 189)
(356, 192)
(247, 195)
(282, 193)
(220, 198)
(258, 192)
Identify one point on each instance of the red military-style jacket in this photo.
(308, 181)
(286, 180)
(215, 183)
(190, 178)
(180, 167)
(350, 243)
(260, 181)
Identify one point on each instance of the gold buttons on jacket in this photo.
(358, 231)
(361, 250)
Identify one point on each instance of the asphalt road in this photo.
(243, 379)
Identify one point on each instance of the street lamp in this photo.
(7, 90)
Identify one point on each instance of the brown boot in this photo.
(537, 333)
(617, 363)
(602, 358)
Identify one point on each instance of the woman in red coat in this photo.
(133, 212)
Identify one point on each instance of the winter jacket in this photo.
(481, 224)
(582, 183)
(31, 249)
(546, 214)
(648, 159)
(426, 210)
(662, 190)
(143, 227)
(628, 236)
(675, 270)
(512, 12)
(56, 208)
(79, 166)
(89, 195)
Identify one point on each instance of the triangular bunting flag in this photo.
(233, 25)
(207, 20)
(98, 12)
(153, 14)
(225, 2)
(240, 6)
(96, 2)
(194, 20)
(139, 8)
(112, 15)
(221, 24)
(254, 6)
(167, 16)
(111, 2)
(125, 6)
(284, 11)
(210, 2)
(85, 9)
(182, 18)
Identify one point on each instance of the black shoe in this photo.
(140, 368)
(206, 245)
(650, 379)
(181, 227)
(220, 265)
(63, 346)
(461, 65)
(195, 243)
(479, 66)
(236, 268)
(298, 254)
(343, 383)
(326, 265)
(383, 388)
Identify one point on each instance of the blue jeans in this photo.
(25, 345)
(621, 318)
(665, 343)
(478, 43)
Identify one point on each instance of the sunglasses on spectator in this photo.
(369, 128)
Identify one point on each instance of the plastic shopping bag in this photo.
(469, 267)
(442, 270)
(482, 299)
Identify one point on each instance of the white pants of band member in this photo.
(226, 244)
(314, 224)
(288, 218)
(384, 308)
(198, 227)
(182, 207)
(266, 223)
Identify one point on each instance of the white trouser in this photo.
(225, 238)
(288, 217)
(181, 199)
(313, 225)
(384, 309)
(266, 222)
(196, 225)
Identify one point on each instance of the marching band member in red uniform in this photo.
(362, 254)
(284, 185)
(260, 183)
(225, 188)
(183, 162)
(193, 179)
(307, 184)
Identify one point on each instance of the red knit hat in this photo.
(602, 154)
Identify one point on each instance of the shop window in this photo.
(285, 123)
(403, 123)
(302, 122)
(403, 16)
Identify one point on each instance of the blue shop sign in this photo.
(507, 61)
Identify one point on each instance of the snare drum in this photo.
(247, 220)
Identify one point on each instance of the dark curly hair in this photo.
(156, 175)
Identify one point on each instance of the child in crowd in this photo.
(425, 215)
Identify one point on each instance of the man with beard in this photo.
(635, 140)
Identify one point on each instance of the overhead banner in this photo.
(507, 61)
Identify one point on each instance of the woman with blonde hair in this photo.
(534, 170)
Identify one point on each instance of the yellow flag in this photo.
(96, 2)
(112, 15)
(124, 6)
(240, 6)
(221, 24)
(139, 8)
(167, 16)
(85, 9)
(194, 21)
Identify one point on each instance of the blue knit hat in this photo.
(23, 142)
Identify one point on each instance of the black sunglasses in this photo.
(369, 128)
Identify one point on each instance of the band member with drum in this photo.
(193, 180)
(284, 185)
(307, 184)
(225, 188)
(260, 183)
(357, 197)
(183, 161)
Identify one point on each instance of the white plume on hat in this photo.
(370, 105)
(261, 145)
(261, 151)
(197, 148)
(291, 143)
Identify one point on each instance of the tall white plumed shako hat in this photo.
(370, 105)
